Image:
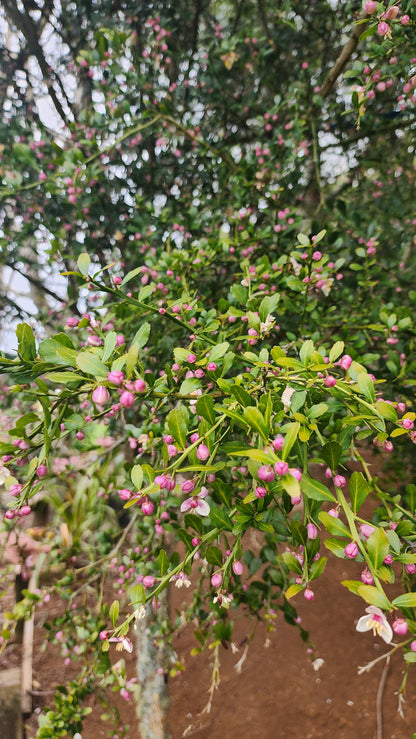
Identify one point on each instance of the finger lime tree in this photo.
(236, 246)
(215, 445)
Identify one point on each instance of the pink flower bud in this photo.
(120, 340)
(370, 7)
(104, 635)
(410, 568)
(191, 358)
(388, 559)
(187, 486)
(388, 446)
(139, 386)
(149, 581)
(80, 435)
(351, 550)
(339, 481)
(383, 28)
(148, 508)
(400, 626)
(405, 20)
(345, 362)
(265, 473)
(391, 13)
(125, 494)
(333, 512)
(211, 366)
(127, 399)
(202, 452)
(100, 395)
(308, 594)
(42, 470)
(277, 443)
(10, 515)
(116, 377)
(367, 577)
(296, 473)
(72, 322)
(281, 468)
(311, 530)
(237, 568)
(25, 510)
(316, 256)
(407, 423)
(15, 489)
(330, 381)
(195, 541)
(366, 530)
(216, 580)
(260, 492)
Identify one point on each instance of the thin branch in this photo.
(343, 58)
(380, 692)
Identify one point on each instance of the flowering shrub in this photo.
(224, 349)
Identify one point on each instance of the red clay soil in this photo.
(278, 694)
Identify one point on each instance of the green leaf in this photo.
(142, 335)
(366, 386)
(213, 555)
(331, 453)
(336, 547)
(374, 597)
(178, 426)
(352, 585)
(130, 275)
(408, 600)
(91, 364)
(303, 240)
(109, 345)
(359, 489)
(386, 410)
(317, 568)
(114, 611)
(234, 449)
(315, 489)
(220, 519)
(218, 351)
(335, 526)
(63, 377)
(242, 396)
(293, 590)
(26, 342)
(162, 561)
(378, 547)
(317, 410)
(291, 431)
(291, 485)
(256, 420)
(56, 352)
(336, 351)
(83, 263)
(297, 400)
(136, 475)
(305, 351)
(205, 408)
(291, 562)
(137, 595)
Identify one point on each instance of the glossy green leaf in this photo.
(26, 345)
(83, 263)
(359, 489)
(374, 597)
(378, 547)
(332, 453)
(91, 364)
(407, 600)
(315, 489)
(205, 408)
(220, 519)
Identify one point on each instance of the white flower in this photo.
(377, 621)
(286, 397)
(317, 664)
(267, 324)
(197, 504)
(180, 579)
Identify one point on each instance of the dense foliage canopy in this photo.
(228, 190)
